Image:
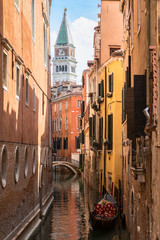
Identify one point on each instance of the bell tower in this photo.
(64, 62)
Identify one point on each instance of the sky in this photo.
(82, 18)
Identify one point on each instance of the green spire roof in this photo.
(64, 35)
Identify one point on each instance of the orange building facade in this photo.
(25, 132)
(66, 116)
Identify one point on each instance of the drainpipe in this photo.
(105, 102)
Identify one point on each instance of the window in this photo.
(59, 68)
(5, 69)
(59, 143)
(17, 4)
(27, 91)
(60, 124)
(56, 68)
(34, 98)
(57, 124)
(65, 68)
(16, 169)
(66, 105)
(62, 68)
(78, 103)
(66, 123)
(110, 83)
(82, 108)
(33, 19)
(101, 89)
(110, 131)
(113, 49)
(26, 162)
(78, 121)
(65, 143)
(4, 166)
(17, 81)
(77, 142)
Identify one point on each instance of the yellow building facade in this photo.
(110, 160)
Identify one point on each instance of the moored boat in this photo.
(105, 213)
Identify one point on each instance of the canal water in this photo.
(69, 216)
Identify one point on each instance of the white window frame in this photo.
(18, 93)
(6, 53)
(78, 119)
(27, 90)
(34, 98)
(17, 6)
(33, 20)
(78, 103)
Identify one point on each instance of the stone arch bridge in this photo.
(66, 164)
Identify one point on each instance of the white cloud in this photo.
(82, 30)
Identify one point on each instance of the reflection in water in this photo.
(69, 215)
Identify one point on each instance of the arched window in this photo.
(17, 167)
(4, 166)
(56, 68)
(26, 162)
(62, 68)
(34, 160)
(59, 68)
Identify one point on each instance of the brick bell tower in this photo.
(64, 62)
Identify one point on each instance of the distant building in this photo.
(99, 163)
(66, 98)
(25, 122)
(66, 122)
(64, 62)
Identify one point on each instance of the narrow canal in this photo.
(69, 216)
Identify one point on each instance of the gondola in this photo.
(105, 213)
